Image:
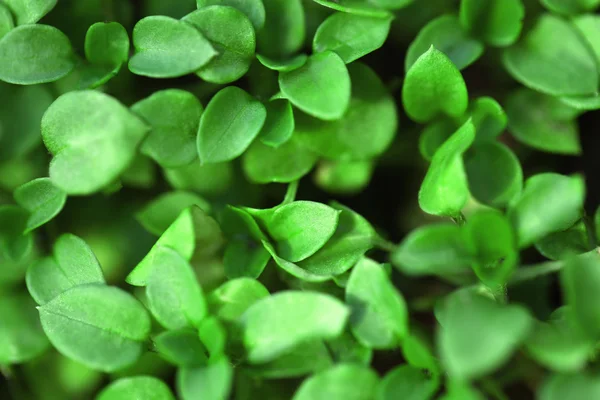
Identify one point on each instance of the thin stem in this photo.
(384, 244)
(290, 194)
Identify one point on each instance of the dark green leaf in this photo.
(210, 382)
(181, 347)
(31, 54)
(288, 64)
(279, 125)
(488, 117)
(448, 36)
(409, 383)
(30, 11)
(342, 382)
(308, 357)
(14, 244)
(230, 300)
(230, 123)
(565, 244)
(207, 179)
(496, 22)
(42, 199)
(294, 269)
(355, 7)
(419, 354)
(284, 30)
(346, 349)
(581, 385)
(139, 387)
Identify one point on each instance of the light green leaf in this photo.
(274, 325)
(321, 87)
(408, 382)
(6, 20)
(351, 36)
(232, 35)
(254, 9)
(496, 22)
(175, 297)
(549, 203)
(42, 199)
(29, 11)
(294, 269)
(308, 357)
(107, 44)
(446, 34)
(99, 326)
(181, 347)
(570, 386)
(342, 382)
(552, 58)
(73, 264)
(543, 122)
(479, 335)
(580, 280)
(230, 123)
(589, 26)
(565, 244)
(434, 135)
(288, 64)
(493, 158)
(138, 387)
(364, 132)
(344, 177)
(230, 300)
(210, 382)
(21, 336)
(346, 349)
(208, 179)
(174, 116)
(279, 125)
(353, 237)
(356, 7)
(168, 48)
(284, 30)
(287, 163)
(379, 316)
(570, 7)
(93, 138)
(31, 54)
(161, 212)
(445, 189)
(213, 336)
(14, 244)
(418, 353)
(391, 4)
(439, 249)
(488, 117)
(433, 86)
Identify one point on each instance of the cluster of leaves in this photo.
(216, 99)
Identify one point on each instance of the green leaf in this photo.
(446, 34)
(552, 58)
(342, 382)
(307, 358)
(543, 122)
(274, 325)
(174, 116)
(254, 9)
(589, 26)
(279, 125)
(294, 269)
(434, 135)
(379, 316)
(42, 199)
(207, 179)
(496, 247)
(346, 349)
(168, 48)
(244, 256)
(29, 11)
(570, 7)
(174, 294)
(284, 30)
(549, 203)
(434, 86)
(230, 300)
(192, 228)
(391, 4)
(488, 117)
(461, 391)
(232, 35)
(320, 88)
(230, 123)
(493, 158)
(301, 228)
(181, 347)
(213, 336)
(161, 212)
(15, 245)
(479, 335)
(140, 174)
(580, 280)
(107, 44)
(439, 249)
(21, 336)
(364, 132)
(351, 36)
(418, 353)
(496, 22)
(408, 382)
(99, 326)
(559, 344)
(73, 264)
(566, 244)
(445, 189)
(353, 237)
(288, 64)
(355, 7)
(344, 177)
(93, 138)
(31, 54)
(138, 387)
(287, 163)
(209, 382)
(6, 20)
(570, 386)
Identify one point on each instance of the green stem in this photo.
(383, 244)
(460, 219)
(290, 194)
